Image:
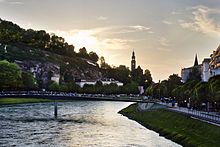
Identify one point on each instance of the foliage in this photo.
(157, 90)
(12, 34)
(194, 75)
(93, 56)
(147, 78)
(52, 86)
(103, 64)
(29, 82)
(198, 92)
(214, 88)
(120, 73)
(10, 75)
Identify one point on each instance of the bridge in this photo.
(72, 96)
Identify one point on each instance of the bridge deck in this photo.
(63, 97)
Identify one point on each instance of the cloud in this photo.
(164, 42)
(204, 20)
(12, 2)
(140, 28)
(16, 3)
(164, 45)
(167, 22)
(101, 18)
(106, 38)
(128, 29)
(89, 39)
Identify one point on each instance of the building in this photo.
(81, 83)
(210, 67)
(214, 65)
(205, 75)
(185, 71)
(56, 78)
(133, 62)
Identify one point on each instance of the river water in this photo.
(79, 123)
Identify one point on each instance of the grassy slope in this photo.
(177, 127)
(4, 101)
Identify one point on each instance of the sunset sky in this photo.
(165, 34)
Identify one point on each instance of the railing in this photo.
(203, 115)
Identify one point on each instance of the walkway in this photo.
(211, 117)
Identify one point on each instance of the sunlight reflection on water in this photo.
(80, 123)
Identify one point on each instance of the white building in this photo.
(214, 65)
(56, 78)
(93, 82)
(185, 71)
(210, 67)
(205, 74)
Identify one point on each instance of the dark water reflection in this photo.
(81, 123)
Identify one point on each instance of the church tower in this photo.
(196, 61)
(133, 62)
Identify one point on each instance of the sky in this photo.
(165, 34)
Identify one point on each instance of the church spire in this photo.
(133, 62)
(196, 61)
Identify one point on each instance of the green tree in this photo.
(172, 82)
(29, 82)
(147, 79)
(194, 75)
(130, 88)
(200, 93)
(10, 75)
(137, 76)
(93, 56)
(52, 86)
(103, 64)
(214, 88)
(83, 53)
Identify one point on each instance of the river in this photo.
(79, 124)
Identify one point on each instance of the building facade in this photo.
(210, 67)
(214, 65)
(81, 83)
(185, 71)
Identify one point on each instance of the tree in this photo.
(130, 88)
(173, 81)
(111, 88)
(70, 50)
(52, 86)
(194, 75)
(93, 56)
(83, 53)
(10, 75)
(29, 82)
(103, 64)
(120, 73)
(147, 79)
(200, 93)
(137, 76)
(214, 88)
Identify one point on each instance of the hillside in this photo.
(45, 55)
(48, 57)
(44, 64)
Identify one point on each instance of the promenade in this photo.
(211, 117)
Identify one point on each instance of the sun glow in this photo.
(83, 39)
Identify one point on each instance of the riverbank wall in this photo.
(177, 127)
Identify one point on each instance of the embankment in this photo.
(176, 127)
